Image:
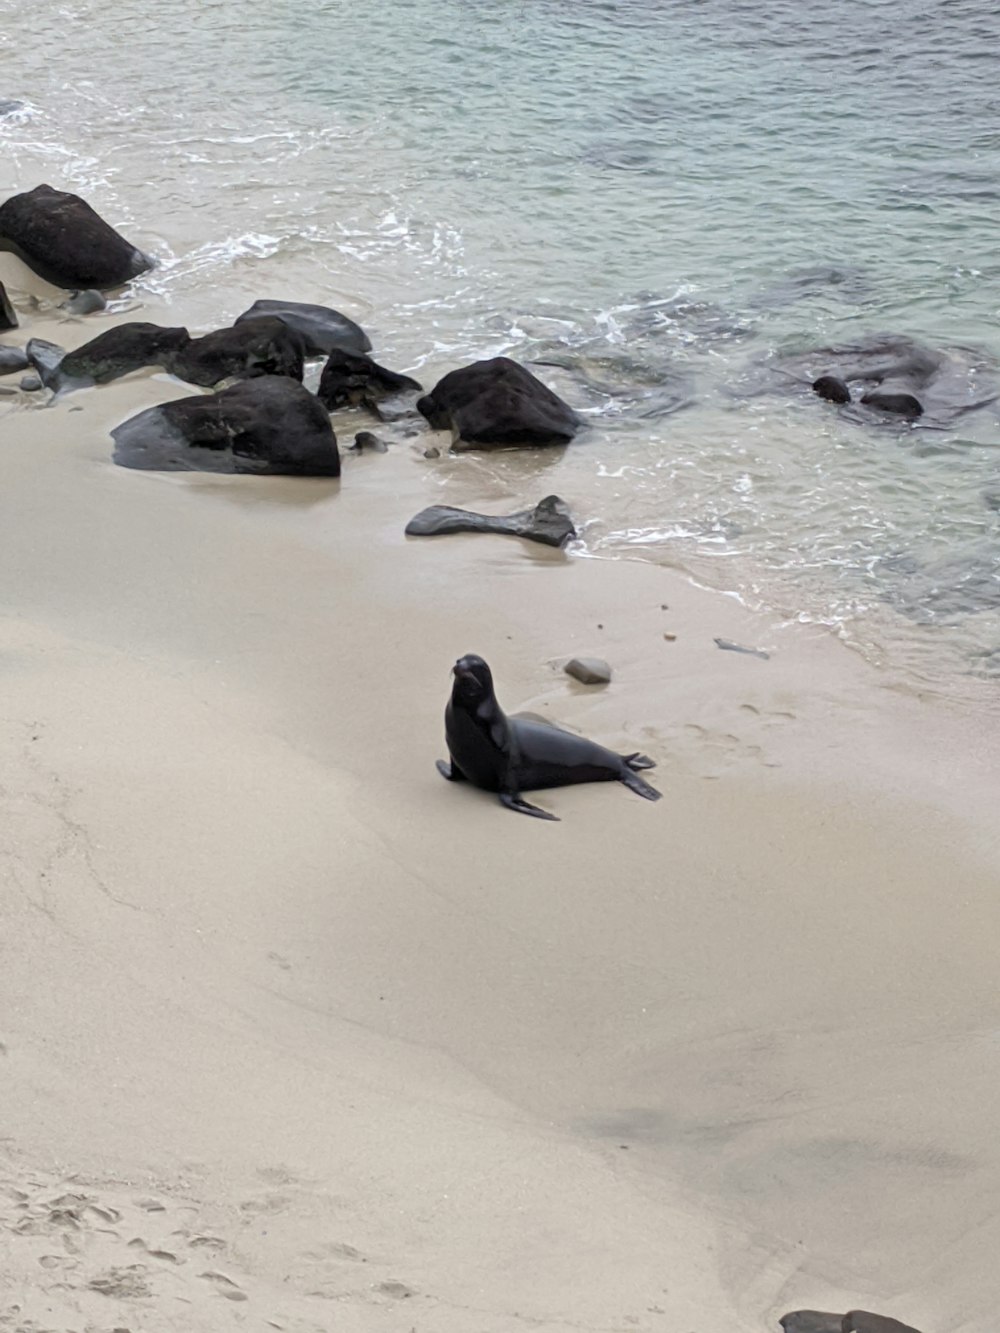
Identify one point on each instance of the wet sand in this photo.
(295, 1035)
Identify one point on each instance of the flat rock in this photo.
(811, 1321)
(62, 239)
(268, 425)
(496, 403)
(863, 1321)
(8, 316)
(588, 670)
(730, 647)
(323, 330)
(549, 522)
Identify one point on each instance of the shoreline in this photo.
(381, 1041)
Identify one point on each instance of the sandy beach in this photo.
(294, 1035)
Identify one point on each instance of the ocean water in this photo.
(660, 201)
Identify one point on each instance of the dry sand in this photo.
(294, 1035)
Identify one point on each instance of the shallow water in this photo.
(658, 198)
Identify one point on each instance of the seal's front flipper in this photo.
(450, 771)
(522, 807)
(639, 785)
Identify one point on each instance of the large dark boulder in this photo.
(498, 402)
(322, 328)
(265, 346)
(8, 317)
(64, 241)
(268, 425)
(352, 380)
(121, 350)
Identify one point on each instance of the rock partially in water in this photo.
(893, 376)
(549, 522)
(323, 330)
(831, 388)
(10, 107)
(119, 351)
(366, 440)
(12, 359)
(588, 670)
(351, 379)
(268, 425)
(84, 303)
(496, 403)
(61, 238)
(264, 346)
(8, 316)
(30, 383)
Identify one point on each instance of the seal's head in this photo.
(473, 680)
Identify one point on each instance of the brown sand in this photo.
(294, 1035)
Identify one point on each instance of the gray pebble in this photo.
(30, 383)
(84, 303)
(588, 670)
(432, 452)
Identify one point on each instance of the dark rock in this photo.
(265, 346)
(588, 670)
(831, 388)
(728, 646)
(895, 400)
(12, 359)
(323, 330)
(549, 522)
(84, 303)
(366, 440)
(10, 107)
(267, 425)
(64, 241)
(811, 1321)
(353, 380)
(8, 316)
(46, 358)
(991, 496)
(435, 452)
(863, 1321)
(30, 384)
(498, 402)
(121, 350)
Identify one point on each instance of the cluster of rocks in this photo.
(266, 421)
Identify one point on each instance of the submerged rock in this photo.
(350, 379)
(496, 403)
(322, 329)
(549, 522)
(8, 316)
(264, 346)
(366, 440)
(831, 388)
(588, 670)
(64, 241)
(267, 425)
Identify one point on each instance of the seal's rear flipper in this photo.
(639, 785)
(450, 771)
(513, 802)
(639, 760)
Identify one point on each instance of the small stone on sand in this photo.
(588, 670)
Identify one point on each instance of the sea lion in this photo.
(511, 754)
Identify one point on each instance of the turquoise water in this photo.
(659, 197)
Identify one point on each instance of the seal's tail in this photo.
(639, 785)
(639, 760)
